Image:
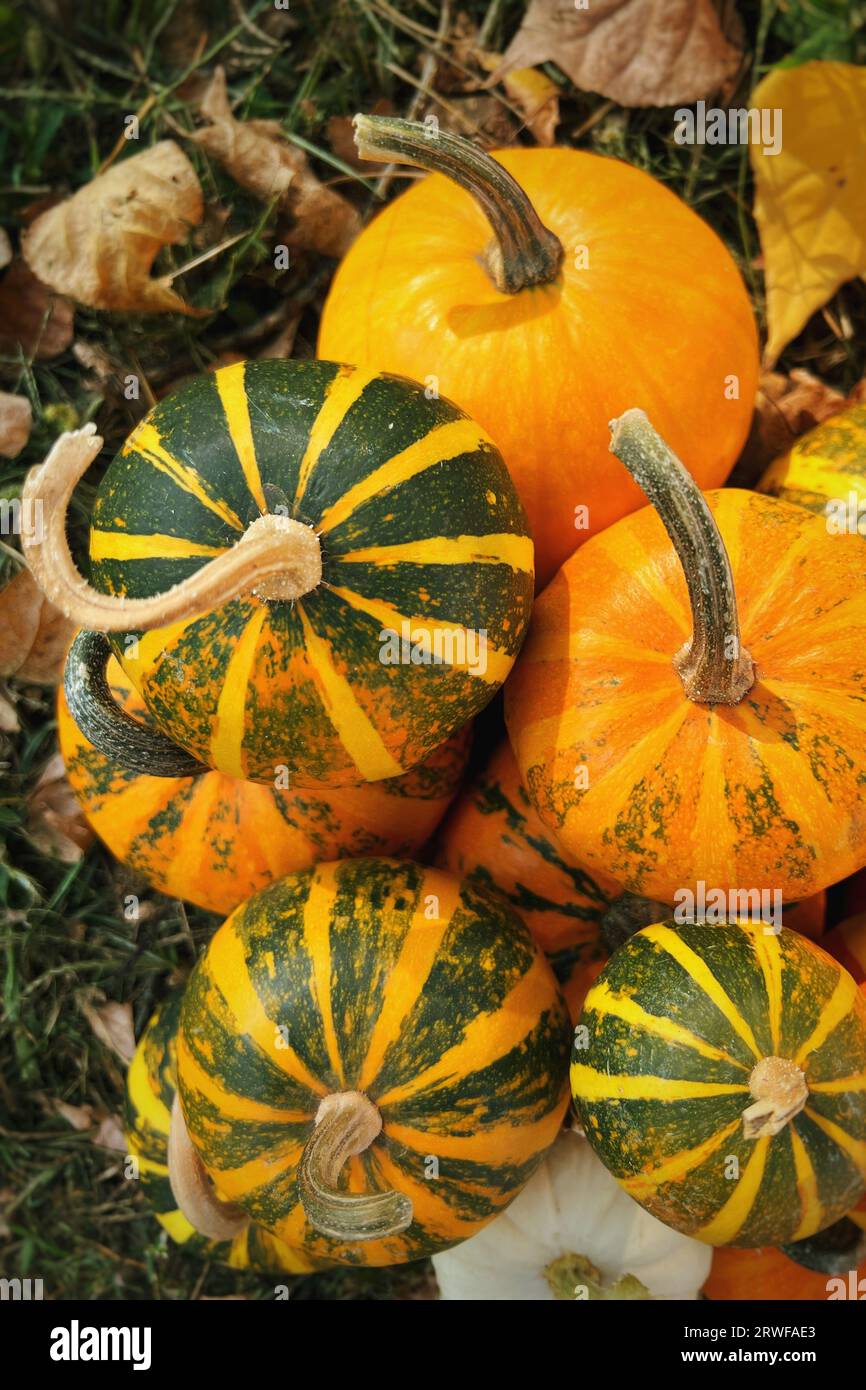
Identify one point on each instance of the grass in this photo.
(68, 1215)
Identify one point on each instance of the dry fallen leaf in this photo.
(32, 318)
(34, 635)
(99, 245)
(16, 419)
(8, 716)
(637, 52)
(81, 1117)
(112, 1024)
(258, 157)
(55, 821)
(810, 198)
(109, 1134)
(538, 99)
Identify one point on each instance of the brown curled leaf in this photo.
(99, 245)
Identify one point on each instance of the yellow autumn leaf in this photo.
(538, 98)
(810, 198)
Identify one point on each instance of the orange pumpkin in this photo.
(767, 1274)
(696, 711)
(579, 980)
(600, 288)
(494, 837)
(215, 840)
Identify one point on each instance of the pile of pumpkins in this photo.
(307, 579)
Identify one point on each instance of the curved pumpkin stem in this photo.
(524, 252)
(277, 557)
(347, 1122)
(192, 1188)
(714, 667)
(133, 746)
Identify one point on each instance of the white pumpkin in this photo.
(573, 1207)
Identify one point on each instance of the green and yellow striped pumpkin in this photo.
(826, 465)
(426, 569)
(150, 1090)
(720, 1074)
(215, 840)
(398, 984)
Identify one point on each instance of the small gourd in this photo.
(308, 571)
(691, 703)
(372, 1062)
(573, 1234)
(719, 1072)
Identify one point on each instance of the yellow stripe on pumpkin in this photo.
(604, 1001)
(854, 1148)
(489, 1036)
(230, 725)
(700, 972)
(344, 390)
(267, 1167)
(424, 631)
(840, 1084)
(227, 962)
(768, 952)
(643, 1185)
(142, 1096)
(231, 1104)
(438, 1218)
(445, 442)
(175, 1223)
(359, 737)
(501, 548)
(807, 1186)
(233, 397)
(506, 1143)
(147, 441)
(732, 1217)
(411, 969)
(589, 1084)
(318, 911)
(123, 545)
(833, 1013)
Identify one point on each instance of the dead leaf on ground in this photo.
(785, 408)
(637, 52)
(8, 716)
(34, 635)
(16, 419)
(104, 1131)
(55, 821)
(32, 317)
(80, 1117)
(258, 157)
(810, 198)
(99, 245)
(112, 1024)
(537, 98)
(109, 1134)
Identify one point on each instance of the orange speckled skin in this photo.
(764, 794)
(214, 840)
(658, 318)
